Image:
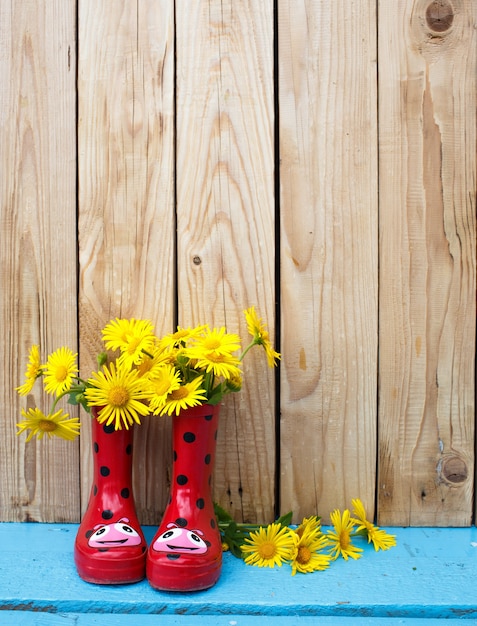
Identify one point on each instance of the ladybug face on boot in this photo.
(176, 540)
(119, 534)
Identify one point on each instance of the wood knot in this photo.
(454, 470)
(439, 15)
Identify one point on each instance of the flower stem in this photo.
(250, 345)
(73, 389)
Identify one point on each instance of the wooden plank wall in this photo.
(38, 266)
(427, 139)
(181, 161)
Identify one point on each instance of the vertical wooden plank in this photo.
(225, 216)
(126, 198)
(38, 251)
(427, 103)
(328, 134)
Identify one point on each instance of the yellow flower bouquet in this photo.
(149, 375)
(184, 375)
(141, 374)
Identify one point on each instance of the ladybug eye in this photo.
(101, 531)
(195, 538)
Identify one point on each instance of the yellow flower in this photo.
(225, 365)
(120, 393)
(151, 364)
(187, 395)
(380, 538)
(164, 381)
(181, 336)
(269, 546)
(234, 382)
(60, 371)
(307, 556)
(58, 424)
(258, 330)
(33, 371)
(132, 337)
(308, 525)
(216, 340)
(340, 536)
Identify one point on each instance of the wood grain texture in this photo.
(427, 104)
(328, 207)
(38, 254)
(166, 210)
(225, 217)
(126, 198)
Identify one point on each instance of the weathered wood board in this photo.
(182, 161)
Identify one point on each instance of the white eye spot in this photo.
(100, 532)
(125, 529)
(194, 538)
(173, 533)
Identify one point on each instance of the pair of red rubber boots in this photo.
(186, 551)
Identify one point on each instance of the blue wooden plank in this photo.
(432, 573)
(16, 618)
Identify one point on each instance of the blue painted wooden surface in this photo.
(15, 618)
(431, 575)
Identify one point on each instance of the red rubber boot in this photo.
(110, 547)
(186, 552)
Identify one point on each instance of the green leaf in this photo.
(221, 514)
(285, 520)
(73, 399)
(215, 399)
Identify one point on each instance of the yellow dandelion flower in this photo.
(58, 424)
(164, 381)
(269, 546)
(120, 393)
(60, 371)
(33, 371)
(307, 555)
(340, 536)
(380, 538)
(132, 337)
(187, 395)
(216, 340)
(258, 330)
